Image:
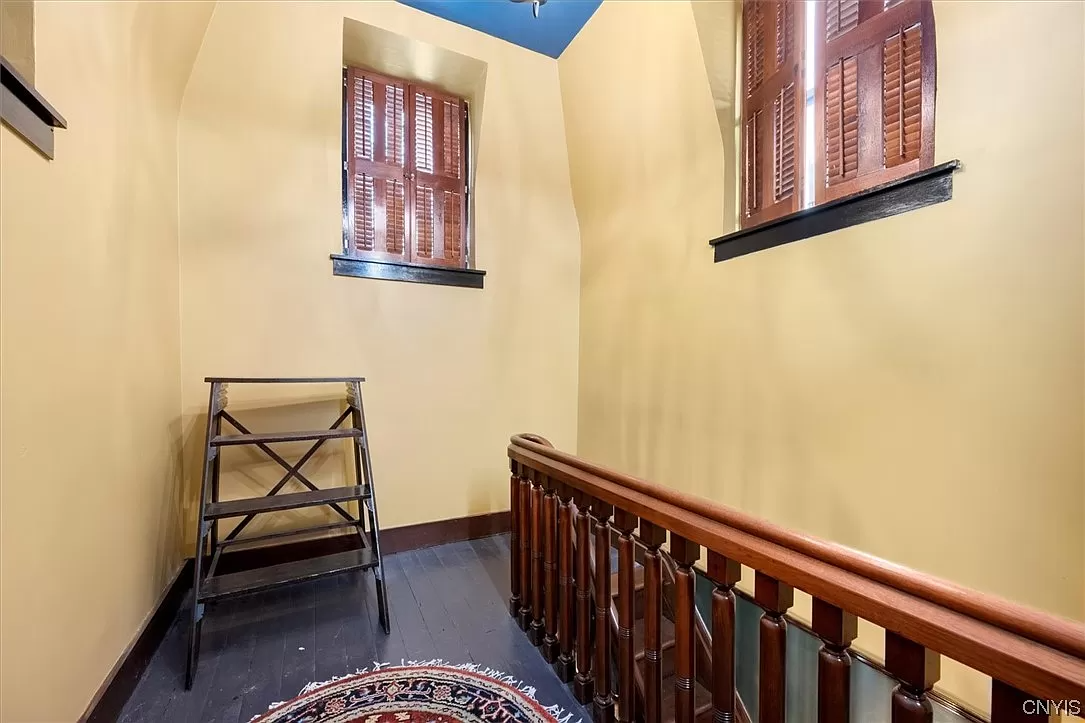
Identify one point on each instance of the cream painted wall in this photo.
(910, 387)
(452, 372)
(89, 409)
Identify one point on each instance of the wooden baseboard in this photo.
(428, 534)
(114, 692)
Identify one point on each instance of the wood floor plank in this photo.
(263, 685)
(299, 642)
(447, 602)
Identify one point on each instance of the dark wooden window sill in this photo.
(440, 275)
(920, 189)
(26, 112)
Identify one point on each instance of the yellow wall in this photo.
(17, 35)
(911, 387)
(89, 502)
(452, 372)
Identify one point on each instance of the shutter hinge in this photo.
(344, 165)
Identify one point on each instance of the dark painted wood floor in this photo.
(447, 602)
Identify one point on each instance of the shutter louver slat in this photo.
(453, 203)
(840, 17)
(395, 138)
(902, 96)
(395, 214)
(425, 214)
(364, 122)
(453, 139)
(784, 135)
(841, 120)
(365, 208)
(423, 132)
(785, 31)
(754, 35)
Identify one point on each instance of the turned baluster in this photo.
(775, 598)
(652, 536)
(603, 706)
(584, 682)
(625, 523)
(725, 573)
(514, 541)
(565, 665)
(524, 618)
(535, 632)
(1010, 705)
(685, 553)
(550, 571)
(837, 629)
(918, 669)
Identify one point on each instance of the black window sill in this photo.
(923, 188)
(26, 112)
(440, 275)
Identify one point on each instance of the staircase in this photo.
(645, 655)
(667, 647)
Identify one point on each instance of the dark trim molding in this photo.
(920, 189)
(442, 276)
(25, 111)
(117, 687)
(428, 534)
(109, 700)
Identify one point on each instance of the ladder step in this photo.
(256, 505)
(265, 578)
(223, 440)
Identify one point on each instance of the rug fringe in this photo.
(559, 714)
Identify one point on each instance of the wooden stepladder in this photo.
(210, 587)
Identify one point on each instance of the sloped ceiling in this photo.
(558, 23)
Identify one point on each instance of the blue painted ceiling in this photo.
(558, 23)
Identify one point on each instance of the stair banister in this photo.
(1029, 654)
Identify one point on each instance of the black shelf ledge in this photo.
(442, 276)
(25, 111)
(923, 188)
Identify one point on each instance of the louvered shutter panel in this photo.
(439, 180)
(878, 56)
(377, 166)
(772, 109)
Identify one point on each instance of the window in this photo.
(405, 196)
(838, 98)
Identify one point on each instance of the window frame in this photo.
(874, 18)
(379, 263)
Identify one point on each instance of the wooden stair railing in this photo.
(1030, 655)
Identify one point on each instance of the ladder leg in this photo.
(362, 443)
(209, 460)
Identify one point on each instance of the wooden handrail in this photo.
(1038, 653)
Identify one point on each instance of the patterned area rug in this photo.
(417, 693)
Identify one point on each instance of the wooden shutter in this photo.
(874, 102)
(377, 148)
(438, 175)
(772, 109)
